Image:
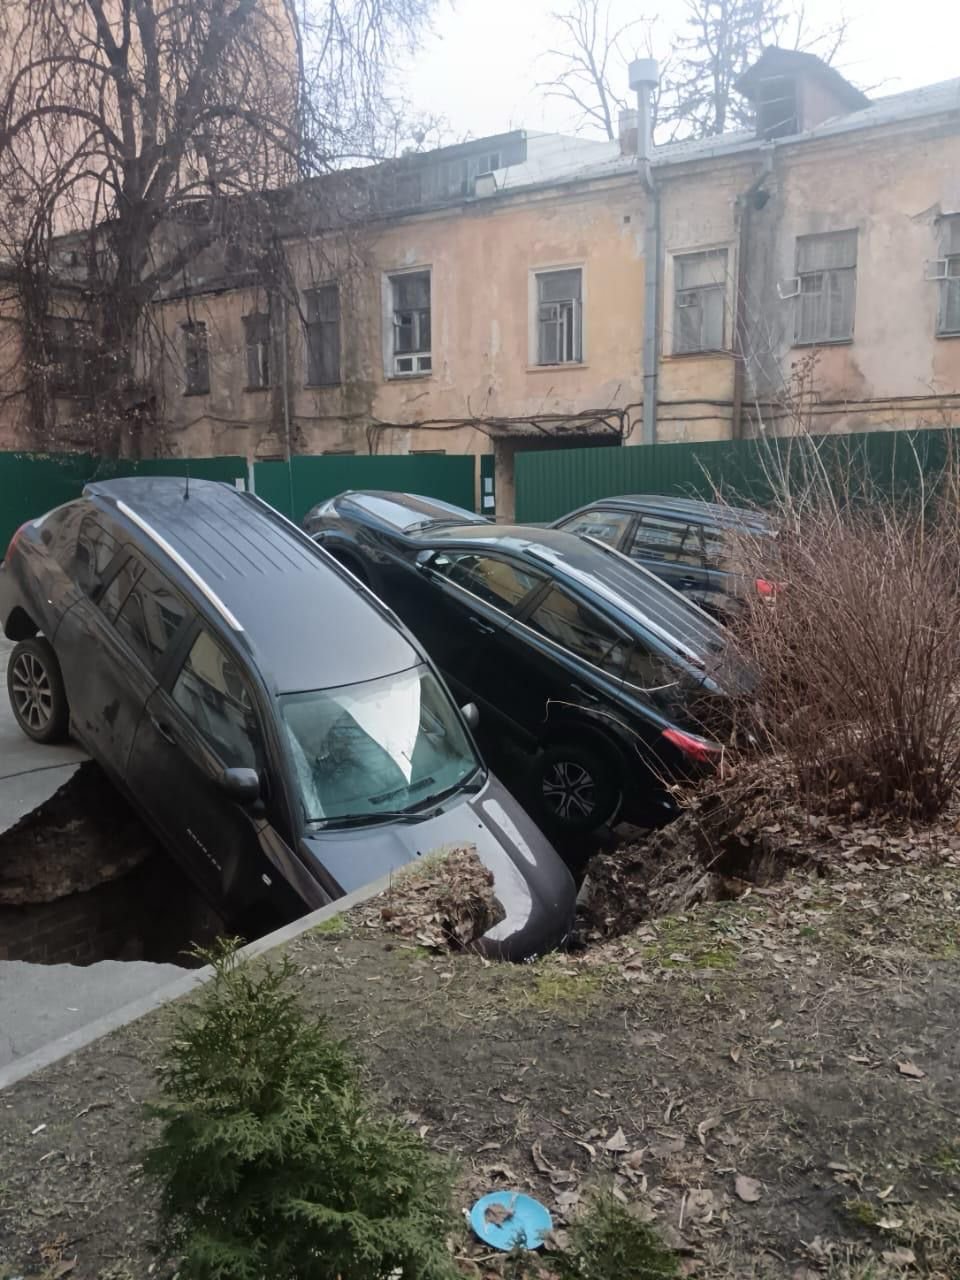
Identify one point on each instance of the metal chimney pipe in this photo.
(644, 77)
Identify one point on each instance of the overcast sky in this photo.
(480, 64)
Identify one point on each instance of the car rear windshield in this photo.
(375, 748)
(406, 512)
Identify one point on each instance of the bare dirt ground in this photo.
(774, 1078)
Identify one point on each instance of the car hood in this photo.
(530, 880)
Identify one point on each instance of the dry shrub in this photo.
(858, 654)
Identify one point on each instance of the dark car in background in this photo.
(606, 677)
(286, 738)
(688, 543)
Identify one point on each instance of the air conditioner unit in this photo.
(788, 288)
(935, 269)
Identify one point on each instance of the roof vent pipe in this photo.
(629, 133)
(644, 77)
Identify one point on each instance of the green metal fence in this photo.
(295, 489)
(551, 483)
(31, 483)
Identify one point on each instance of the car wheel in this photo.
(36, 692)
(575, 788)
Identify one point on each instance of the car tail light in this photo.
(766, 588)
(694, 748)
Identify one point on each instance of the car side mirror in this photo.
(423, 560)
(241, 785)
(471, 715)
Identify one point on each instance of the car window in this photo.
(212, 693)
(605, 526)
(151, 616)
(670, 541)
(498, 582)
(111, 598)
(579, 630)
(95, 550)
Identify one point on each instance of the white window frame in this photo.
(676, 257)
(407, 364)
(828, 278)
(946, 272)
(580, 335)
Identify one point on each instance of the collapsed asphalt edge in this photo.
(74, 1041)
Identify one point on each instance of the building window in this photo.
(559, 317)
(323, 335)
(826, 287)
(700, 296)
(410, 295)
(256, 329)
(196, 359)
(948, 320)
(70, 343)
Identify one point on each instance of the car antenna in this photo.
(186, 487)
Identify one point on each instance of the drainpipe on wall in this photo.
(644, 75)
(745, 205)
(285, 376)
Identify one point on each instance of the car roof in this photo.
(308, 626)
(693, 509)
(406, 511)
(637, 595)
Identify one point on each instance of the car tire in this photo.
(575, 788)
(35, 689)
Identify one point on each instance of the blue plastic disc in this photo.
(528, 1223)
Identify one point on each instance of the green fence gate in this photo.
(551, 483)
(295, 488)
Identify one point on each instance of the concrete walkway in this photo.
(40, 1003)
(29, 773)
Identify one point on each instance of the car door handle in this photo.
(164, 730)
(482, 627)
(585, 694)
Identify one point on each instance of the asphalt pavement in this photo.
(40, 1003)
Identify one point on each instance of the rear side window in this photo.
(212, 693)
(605, 526)
(497, 582)
(96, 550)
(113, 595)
(151, 616)
(670, 541)
(579, 630)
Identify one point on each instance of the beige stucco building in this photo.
(493, 296)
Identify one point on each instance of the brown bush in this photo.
(857, 654)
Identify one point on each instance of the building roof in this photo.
(307, 625)
(555, 158)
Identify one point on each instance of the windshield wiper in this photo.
(469, 783)
(371, 819)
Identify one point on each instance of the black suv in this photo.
(270, 719)
(604, 675)
(688, 543)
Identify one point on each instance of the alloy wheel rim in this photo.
(569, 790)
(31, 691)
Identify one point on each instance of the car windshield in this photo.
(376, 748)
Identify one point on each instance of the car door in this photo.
(475, 595)
(202, 721)
(112, 644)
(672, 549)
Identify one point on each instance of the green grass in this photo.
(334, 927)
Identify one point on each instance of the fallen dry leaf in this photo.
(899, 1257)
(544, 1166)
(617, 1143)
(735, 1053)
(748, 1189)
(911, 1069)
(704, 1127)
(498, 1214)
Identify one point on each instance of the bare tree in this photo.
(591, 63)
(140, 127)
(697, 95)
(719, 41)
